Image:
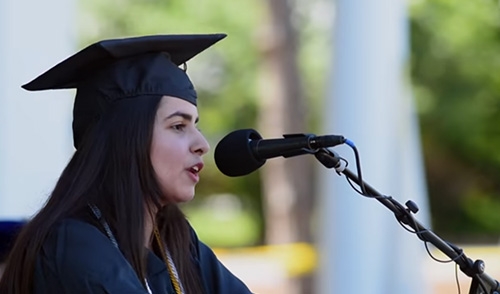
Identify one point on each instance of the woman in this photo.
(112, 224)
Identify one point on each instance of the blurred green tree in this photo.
(455, 57)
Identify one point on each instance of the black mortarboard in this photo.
(111, 70)
(8, 233)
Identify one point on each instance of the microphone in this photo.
(244, 151)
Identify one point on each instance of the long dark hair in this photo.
(111, 169)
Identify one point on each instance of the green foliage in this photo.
(455, 57)
(477, 205)
(455, 47)
(223, 227)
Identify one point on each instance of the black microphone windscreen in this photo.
(233, 155)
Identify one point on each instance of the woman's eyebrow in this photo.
(184, 115)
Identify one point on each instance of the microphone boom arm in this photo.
(473, 269)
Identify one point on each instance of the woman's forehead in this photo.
(173, 106)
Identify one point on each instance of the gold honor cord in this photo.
(169, 262)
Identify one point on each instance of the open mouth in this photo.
(195, 170)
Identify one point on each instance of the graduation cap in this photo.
(8, 233)
(116, 69)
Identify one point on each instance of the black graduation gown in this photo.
(78, 258)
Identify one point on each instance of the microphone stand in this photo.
(481, 282)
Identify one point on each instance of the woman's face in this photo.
(177, 148)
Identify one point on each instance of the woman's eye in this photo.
(179, 127)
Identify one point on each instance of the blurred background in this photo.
(413, 84)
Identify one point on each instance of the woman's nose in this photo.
(200, 145)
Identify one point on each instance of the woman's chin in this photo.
(182, 198)
(186, 199)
